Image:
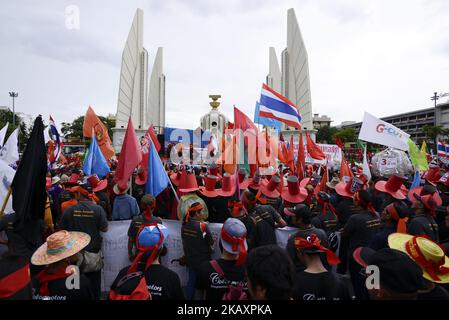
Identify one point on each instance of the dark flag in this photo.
(28, 188)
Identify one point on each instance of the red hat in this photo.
(96, 183)
(227, 186)
(433, 175)
(270, 188)
(141, 177)
(74, 178)
(175, 178)
(425, 190)
(348, 189)
(188, 182)
(293, 193)
(314, 179)
(213, 171)
(393, 187)
(209, 190)
(243, 183)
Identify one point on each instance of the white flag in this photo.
(3, 134)
(10, 151)
(46, 136)
(366, 170)
(377, 131)
(6, 176)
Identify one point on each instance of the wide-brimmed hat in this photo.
(425, 190)
(293, 193)
(227, 186)
(60, 245)
(175, 178)
(270, 188)
(188, 182)
(243, 182)
(432, 175)
(348, 189)
(333, 183)
(209, 190)
(55, 180)
(213, 170)
(428, 254)
(96, 183)
(118, 190)
(314, 180)
(74, 178)
(141, 177)
(392, 187)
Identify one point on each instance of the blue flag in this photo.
(416, 180)
(95, 163)
(265, 121)
(157, 179)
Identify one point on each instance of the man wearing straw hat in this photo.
(60, 279)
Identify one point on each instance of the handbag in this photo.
(91, 262)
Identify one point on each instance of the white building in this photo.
(214, 120)
(140, 98)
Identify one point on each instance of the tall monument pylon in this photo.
(139, 97)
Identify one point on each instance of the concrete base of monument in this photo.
(296, 133)
(118, 134)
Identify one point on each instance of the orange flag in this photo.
(91, 121)
(301, 159)
(345, 170)
(313, 150)
(291, 156)
(324, 180)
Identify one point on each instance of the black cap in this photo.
(398, 272)
(299, 211)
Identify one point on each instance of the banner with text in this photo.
(115, 248)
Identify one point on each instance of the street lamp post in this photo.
(13, 95)
(435, 98)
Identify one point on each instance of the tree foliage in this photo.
(346, 135)
(326, 134)
(75, 128)
(24, 132)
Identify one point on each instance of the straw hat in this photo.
(428, 254)
(60, 245)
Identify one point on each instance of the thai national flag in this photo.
(441, 147)
(275, 106)
(57, 142)
(446, 147)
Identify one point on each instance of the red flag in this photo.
(129, 158)
(313, 150)
(324, 180)
(91, 121)
(291, 156)
(301, 159)
(241, 121)
(339, 143)
(345, 171)
(150, 137)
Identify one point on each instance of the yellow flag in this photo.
(424, 147)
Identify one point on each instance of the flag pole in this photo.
(169, 180)
(5, 201)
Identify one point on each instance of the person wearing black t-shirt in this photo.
(147, 206)
(316, 282)
(161, 282)
(423, 223)
(301, 218)
(59, 279)
(215, 277)
(270, 273)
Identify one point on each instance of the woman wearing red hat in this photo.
(423, 223)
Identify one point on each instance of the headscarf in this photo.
(313, 241)
(193, 208)
(237, 243)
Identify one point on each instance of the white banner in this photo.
(377, 131)
(115, 248)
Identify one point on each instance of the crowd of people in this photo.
(343, 227)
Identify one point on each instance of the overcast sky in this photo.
(384, 57)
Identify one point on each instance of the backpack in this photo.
(134, 280)
(233, 292)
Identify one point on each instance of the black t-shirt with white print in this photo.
(319, 286)
(59, 291)
(216, 286)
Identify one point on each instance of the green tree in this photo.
(346, 135)
(432, 132)
(7, 116)
(326, 134)
(75, 128)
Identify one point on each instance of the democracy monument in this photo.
(142, 97)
